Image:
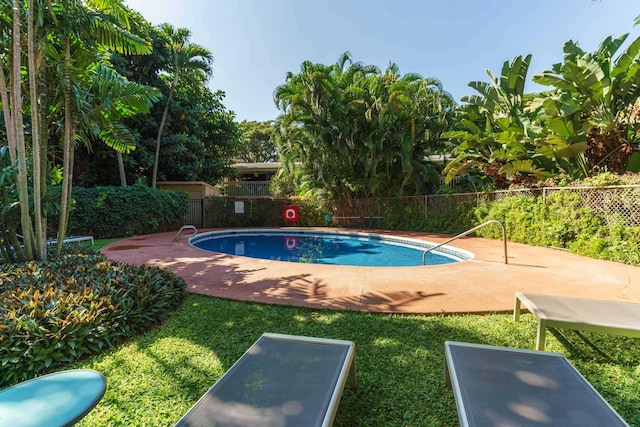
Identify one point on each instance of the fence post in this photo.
(426, 208)
(202, 212)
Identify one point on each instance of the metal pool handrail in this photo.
(186, 227)
(492, 221)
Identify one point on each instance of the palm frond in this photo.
(120, 40)
(118, 137)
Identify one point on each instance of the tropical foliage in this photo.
(588, 121)
(349, 130)
(107, 212)
(86, 74)
(185, 60)
(563, 219)
(257, 142)
(53, 313)
(494, 135)
(74, 95)
(199, 137)
(593, 91)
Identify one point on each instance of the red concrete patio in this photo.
(484, 284)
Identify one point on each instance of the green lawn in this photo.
(155, 379)
(99, 243)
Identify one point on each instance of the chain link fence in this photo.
(619, 203)
(615, 201)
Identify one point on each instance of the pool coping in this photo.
(481, 285)
(453, 253)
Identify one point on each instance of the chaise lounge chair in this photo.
(72, 239)
(580, 314)
(503, 386)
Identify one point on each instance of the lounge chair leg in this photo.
(353, 379)
(542, 331)
(516, 309)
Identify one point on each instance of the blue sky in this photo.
(256, 42)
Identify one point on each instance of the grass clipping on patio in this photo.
(155, 379)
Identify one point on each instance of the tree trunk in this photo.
(16, 104)
(43, 142)
(67, 161)
(8, 119)
(123, 177)
(12, 247)
(41, 239)
(162, 122)
(609, 151)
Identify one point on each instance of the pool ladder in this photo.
(492, 221)
(186, 227)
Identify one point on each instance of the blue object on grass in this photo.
(56, 400)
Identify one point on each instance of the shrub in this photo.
(563, 221)
(106, 212)
(453, 221)
(263, 212)
(58, 311)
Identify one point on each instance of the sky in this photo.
(255, 43)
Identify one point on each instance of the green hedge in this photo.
(452, 219)
(562, 221)
(263, 212)
(59, 311)
(106, 212)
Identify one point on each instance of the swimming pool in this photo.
(330, 247)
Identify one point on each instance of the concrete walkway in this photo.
(484, 284)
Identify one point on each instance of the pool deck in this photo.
(484, 284)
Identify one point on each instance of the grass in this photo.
(156, 378)
(99, 243)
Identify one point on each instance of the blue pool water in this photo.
(323, 248)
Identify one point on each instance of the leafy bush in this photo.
(614, 241)
(105, 212)
(263, 212)
(601, 180)
(58, 311)
(563, 221)
(452, 219)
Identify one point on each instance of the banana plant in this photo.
(591, 93)
(495, 134)
(560, 142)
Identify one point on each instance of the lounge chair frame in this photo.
(510, 386)
(580, 314)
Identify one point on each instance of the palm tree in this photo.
(413, 111)
(69, 36)
(353, 131)
(87, 32)
(184, 58)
